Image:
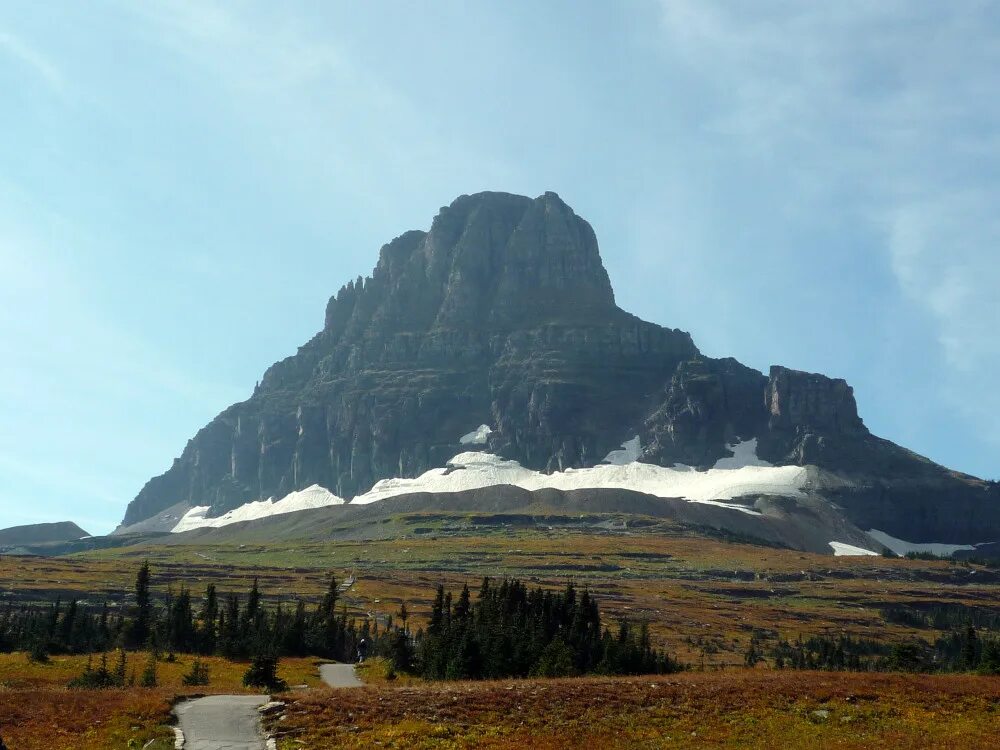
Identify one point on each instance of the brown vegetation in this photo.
(732, 709)
(38, 711)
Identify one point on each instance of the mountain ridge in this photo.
(36, 533)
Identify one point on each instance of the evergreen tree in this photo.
(207, 621)
(148, 679)
(970, 649)
(140, 627)
(198, 674)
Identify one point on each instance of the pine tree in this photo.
(148, 679)
(198, 674)
(970, 650)
(141, 624)
(404, 615)
(207, 618)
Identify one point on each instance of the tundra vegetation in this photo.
(804, 622)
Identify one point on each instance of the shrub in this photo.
(263, 673)
(148, 679)
(39, 652)
(198, 674)
(97, 679)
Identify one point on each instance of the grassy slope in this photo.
(703, 597)
(735, 709)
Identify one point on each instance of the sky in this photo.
(184, 184)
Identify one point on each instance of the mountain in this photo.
(497, 330)
(40, 533)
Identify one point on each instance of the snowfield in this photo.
(743, 474)
(628, 453)
(849, 550)
(311, 497)
(902, 547)
(730, 478)
(477, 437)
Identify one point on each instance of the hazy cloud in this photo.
(33, 60)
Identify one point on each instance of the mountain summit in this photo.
(502, 316)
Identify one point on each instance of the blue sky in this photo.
(184, 184)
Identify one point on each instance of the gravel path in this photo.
(339, 675)
(222, 722)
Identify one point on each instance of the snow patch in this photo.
(902, 547)
(849, 550)
(628, 453)
(744, 454)
(311, 497)
(477, 437)
(474, 470)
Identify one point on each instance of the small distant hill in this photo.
(39, 533)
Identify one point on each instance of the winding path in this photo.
(232, 722)
(339, 675)
(222, 722)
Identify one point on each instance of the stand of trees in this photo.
(960, 650)
(509, 631)
(234, 626)
(512, 632)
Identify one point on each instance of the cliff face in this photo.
(502, 313)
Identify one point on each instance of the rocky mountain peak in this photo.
(502, 314)
(490, 261)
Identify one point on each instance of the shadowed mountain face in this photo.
(62, 531)
(503, 314)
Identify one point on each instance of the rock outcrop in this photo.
(502, 313)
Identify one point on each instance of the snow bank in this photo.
(902, 547)
(849, 550)
(477, 437)
(744, 454)
(743, 474)
(628, 453)
(468, 471)
(311, 497)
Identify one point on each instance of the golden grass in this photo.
(38, 711)
(378, 671)
(60, 719)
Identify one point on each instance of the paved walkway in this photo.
(222, 722)
(339, 675)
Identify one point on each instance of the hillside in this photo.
(40, 533)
